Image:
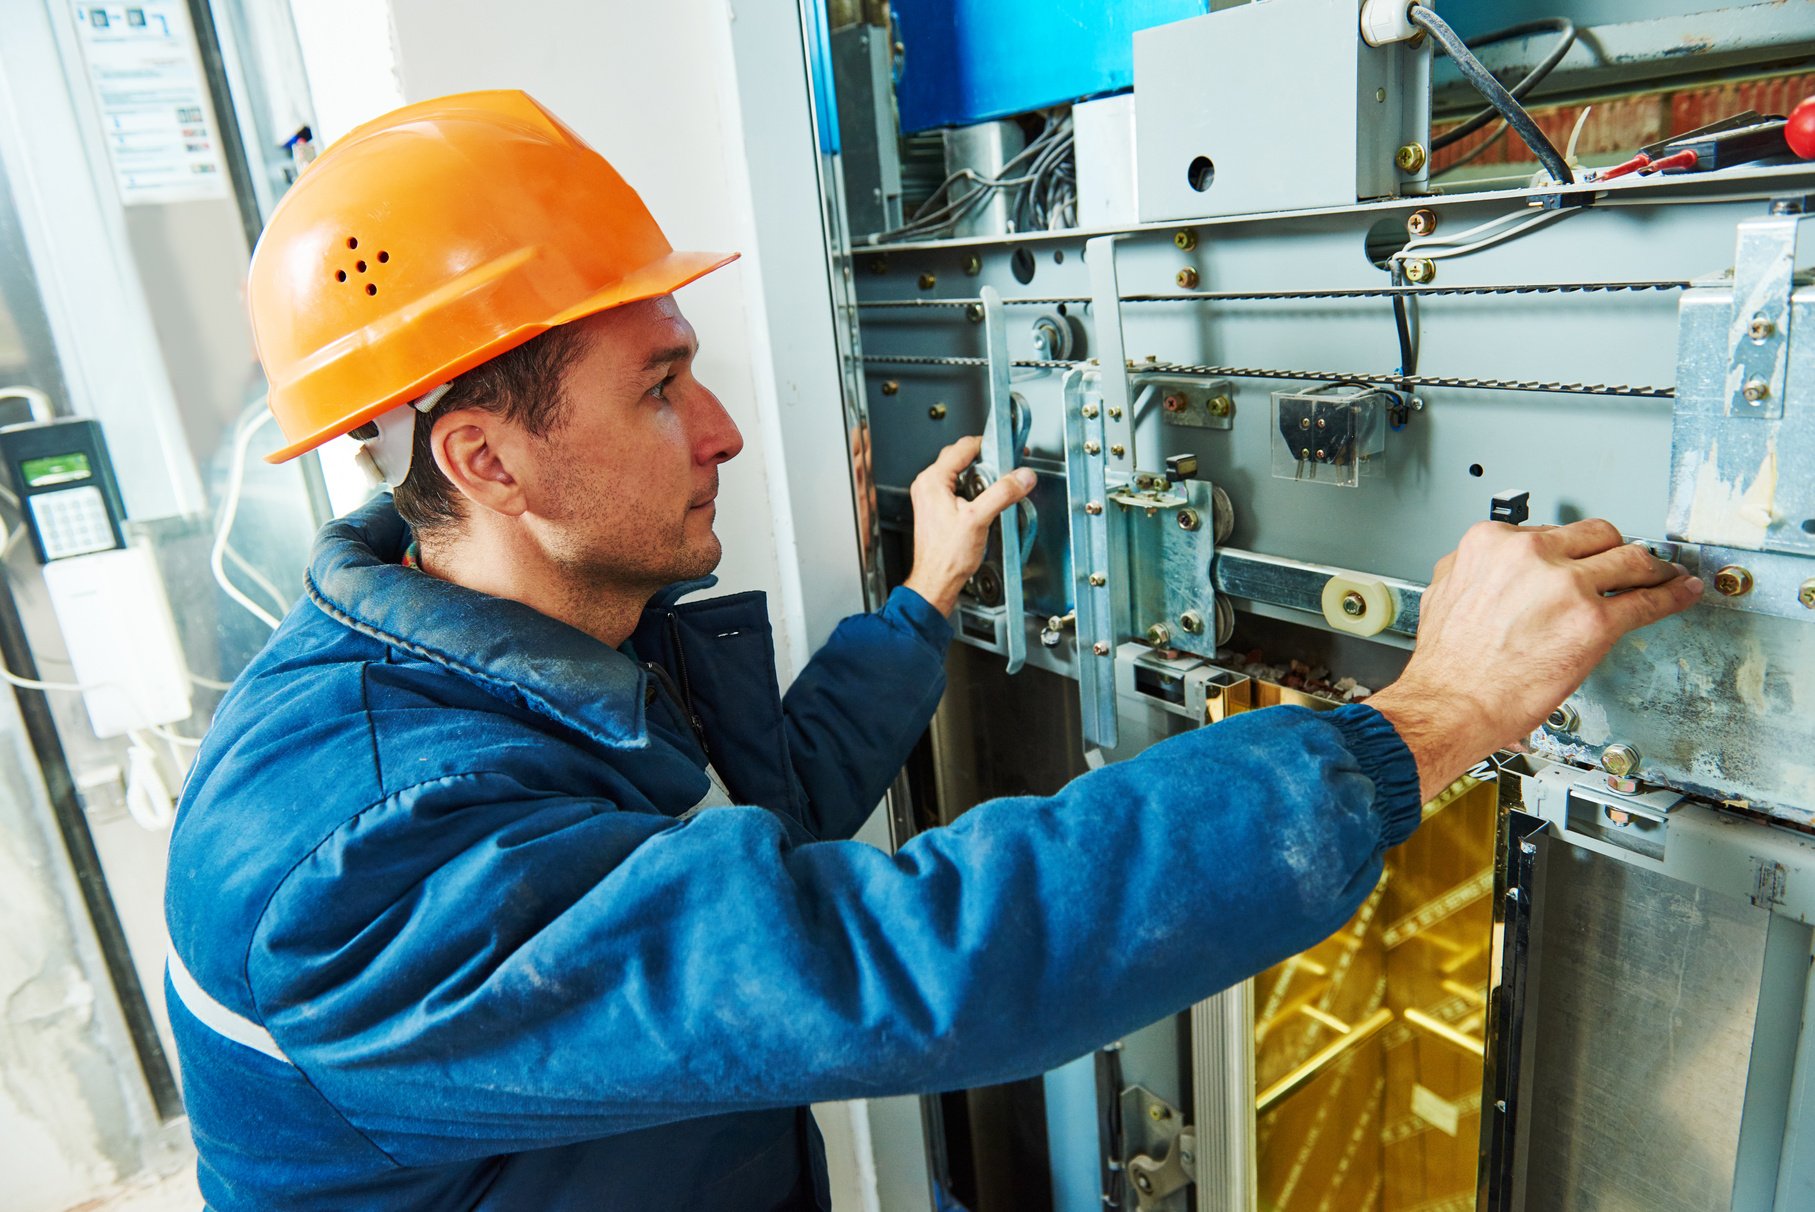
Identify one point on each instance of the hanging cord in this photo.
(223, 529)
(1563, 27)
(1485, 83)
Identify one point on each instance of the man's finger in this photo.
(1004, 492)
(955, 458)
(1627, 566)
(1590, 536)
(1640, 607)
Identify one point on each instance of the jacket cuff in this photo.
(1384, 758)
(921, 617)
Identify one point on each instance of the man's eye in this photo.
(660, 390)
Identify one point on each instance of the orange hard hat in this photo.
(433, 239)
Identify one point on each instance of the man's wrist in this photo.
(944, 601)
(1441, 730)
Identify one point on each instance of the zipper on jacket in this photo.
(678, 694)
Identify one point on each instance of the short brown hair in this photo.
(524, 385)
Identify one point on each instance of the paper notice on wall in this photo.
(155, 117)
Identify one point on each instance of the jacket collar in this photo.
(511, 650)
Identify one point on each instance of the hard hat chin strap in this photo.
(386, 457)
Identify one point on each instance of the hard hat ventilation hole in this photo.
(371, 288)
(340, 275)
(352, 242)
(383, 256)
(360, 266)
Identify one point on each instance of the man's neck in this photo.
(523, 573)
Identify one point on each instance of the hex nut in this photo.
(1192, 622)
(1220, 406)
(1186, 278)
(1733, 581)
(1188, 519)
(1159, 635)
(1419, 270)
(1411, 158)
(1421, 222)
(1563, 719)
(1184, 241)
(1619, 816)
(1620, 759)
(936, 412)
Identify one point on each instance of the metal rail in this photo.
(1619, 390)
(1249, 296)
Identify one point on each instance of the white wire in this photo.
(258, 578)
(210, 683)
(148, 797)
(1463, 237)
(223, 529)
(1436, 254)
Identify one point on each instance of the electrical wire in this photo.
(1563, 27)
(1489, 87)
(1035, 166)
(1435, 248)
(223, 528)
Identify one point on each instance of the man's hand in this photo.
(1513, 621)
(951, 533)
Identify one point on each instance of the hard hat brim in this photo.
(663, 276)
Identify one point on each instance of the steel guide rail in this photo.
(1246, 296)
(1618, 390)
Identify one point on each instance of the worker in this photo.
(506, 879)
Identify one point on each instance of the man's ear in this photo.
(474, 450)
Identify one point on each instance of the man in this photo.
(504, 880)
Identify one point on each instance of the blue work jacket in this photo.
(438, 861)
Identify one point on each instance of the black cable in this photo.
(1495, 92)
(1563, 27)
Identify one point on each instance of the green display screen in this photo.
(55, 469)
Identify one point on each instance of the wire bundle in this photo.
(1500, 101)
(1040, 180)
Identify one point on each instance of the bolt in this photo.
(890, 387)
(1619, 817)
(1118, 450)
(1173, 403)
(1098, 580)
(1419, 270)
(1756, 391)
(1807, 594)
(1091, 448)
(1089, 411)
(1159, 635)
(1421, 222)
(1192, 622)
(1115, 414)
(1304, 422)
(1563, 719)
(1410, 158)
(1184, 241)
(1528, 847)
(972, 311)
(1100, 648)
(937, 412)
(1220, 406)
(1761, 328)
(1320, 454)
(1322, 423)
(1733, 581)
(1380, 94)
(1620, 759)
(1156, 1112)
(1144, 1183)
(1186, 278)
(1093, 508)
(1188, 519)
(973, 265)
(928, 281)
(1354, 605)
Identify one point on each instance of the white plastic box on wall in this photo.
(1108, 194)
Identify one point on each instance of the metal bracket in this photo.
(1758, 338)
(1106, 338)
(1162, 1149)
(1005, 456)
(1086, 491)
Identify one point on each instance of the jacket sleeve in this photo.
(468, 968)
(855, 712)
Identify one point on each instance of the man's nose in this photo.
(718, 439)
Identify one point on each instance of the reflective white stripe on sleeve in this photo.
(216, 1017)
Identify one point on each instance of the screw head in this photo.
(1761, 328)
(1089, 411)
(1354, 605)
(1156, 1112)
(1620, 759)
(936, 412)
(1410, 158)
(1304, 422)
(1220, 406)
(1192, 622)
(1184, 241)
(1115, 414)
(1419, 270)
(890, 387)
(973, 265)
(974, 312)
(1807, 594)
(1733, 581)
(1320, 453)
(1098, 580)
(1091, 448)
(1421, 222)
(1118, 450)
(1188, 519)
(1756, 391)
(1093, 508)
(1100, 648)
(1159, 635)
(928, 281)
(1173, 403)
(1186, 278)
